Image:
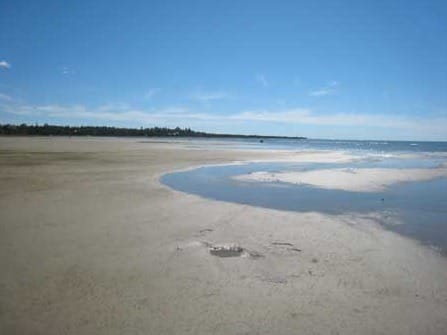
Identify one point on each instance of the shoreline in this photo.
(92, 242)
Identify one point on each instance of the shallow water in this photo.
(414, 209)
(352, 146)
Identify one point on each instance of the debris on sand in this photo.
(226, 250)
(274, 279)
(206, 230)
(255, 254)
(231, 250)
(283, 243)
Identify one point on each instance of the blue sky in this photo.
(322, 69)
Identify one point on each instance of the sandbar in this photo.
(348, 179)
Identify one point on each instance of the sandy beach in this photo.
(92, 243)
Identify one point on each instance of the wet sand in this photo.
(92, 243)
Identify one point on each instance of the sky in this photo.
(320, 69)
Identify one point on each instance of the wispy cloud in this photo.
(5, 97)
(320, 93)
(307, 116)
(108, 112)
(292, 115)
(4, 64)
(66, 71)
(328, 89)
(261, 79)
(432, 127)
(332, 83)
(152, 92)
(209, 96)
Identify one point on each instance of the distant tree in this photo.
(50, 130)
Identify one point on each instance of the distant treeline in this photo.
(52, 130)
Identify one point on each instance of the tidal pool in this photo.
(414, 209)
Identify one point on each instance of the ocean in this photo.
(321, 144)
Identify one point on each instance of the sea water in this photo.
(414, 209)
(321, 144)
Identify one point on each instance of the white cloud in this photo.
(260, 78)
(5, 97)
(330, 88)
(150, 93)
(4, 64)
(66, 71)
(112, 107)
(209, 96)
(397, 126)
(307, 117)
(332, 83)
(109, 112)
(320, 93)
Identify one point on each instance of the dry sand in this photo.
(91, 243)
(357, 180)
